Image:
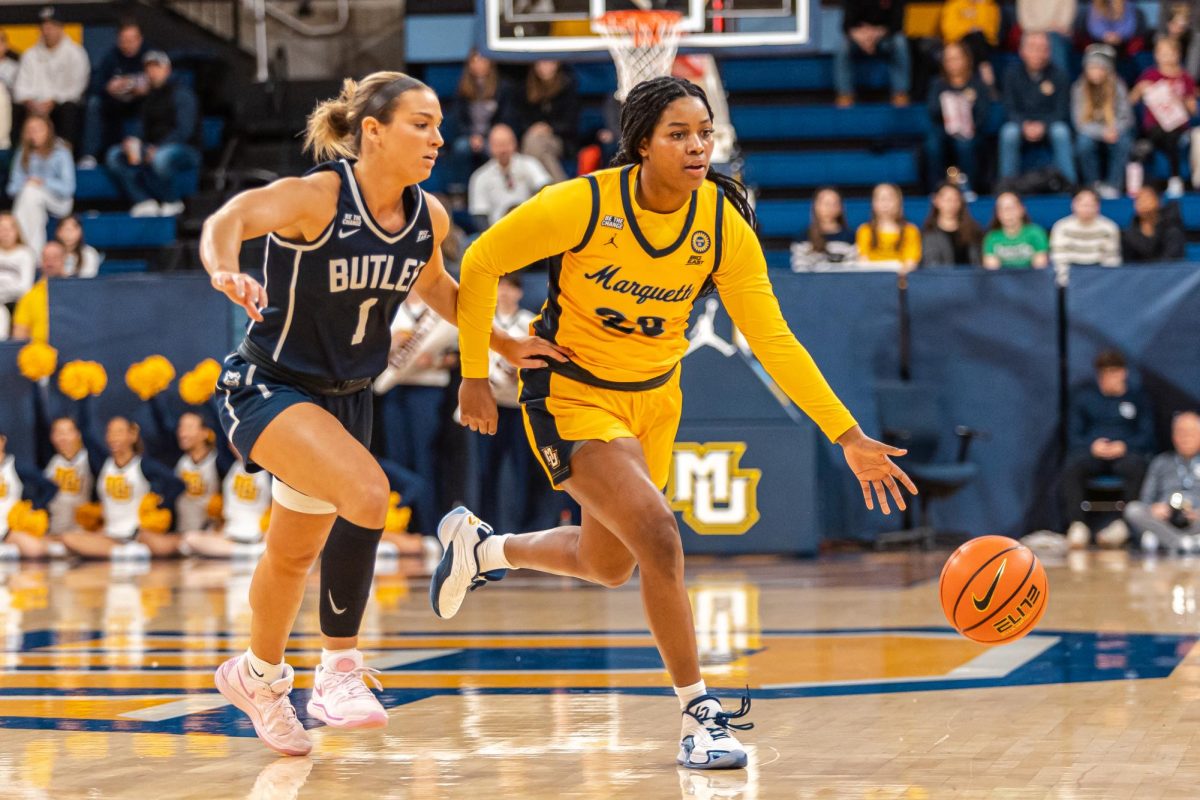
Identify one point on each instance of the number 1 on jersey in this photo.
(364, 311)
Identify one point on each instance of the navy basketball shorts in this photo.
(248, 401)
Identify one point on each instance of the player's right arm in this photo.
(552, 222)
(296, 208)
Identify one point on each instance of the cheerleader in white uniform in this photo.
(200, 470)
(18, 483)
(246, 497)
(123, 483)
(70, 469)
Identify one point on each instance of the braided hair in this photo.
(643, 108)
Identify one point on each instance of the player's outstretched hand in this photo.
(871, 463)
(477, 405)
(243, 290)
(533, 352)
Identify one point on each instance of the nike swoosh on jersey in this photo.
(982, 604)
(343, 233)
(333, 605)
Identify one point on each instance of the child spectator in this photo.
(482, 101)
(82, 260)
(960, 105)
(53, 76)
(1084, 238)
(18, 263)
(828, 242)
(1013, 241)
(975, 24)
(950, 237)
(888, 240)
(1155, 233)
(1103, 121)
(549, 112)
(1037, 99)
(1169, 96)
(871, 29)
(146, 168)
(42, 181)
(1116, 24)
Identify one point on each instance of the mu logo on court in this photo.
(715, 494)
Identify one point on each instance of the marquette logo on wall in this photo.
(713, 492)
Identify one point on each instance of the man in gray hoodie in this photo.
(1168, 512)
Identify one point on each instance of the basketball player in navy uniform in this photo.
(346, 244)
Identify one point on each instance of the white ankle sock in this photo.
(687, 694)
(330, 659)
(491, 553)
(263, 670)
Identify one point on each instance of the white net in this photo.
(643, 44)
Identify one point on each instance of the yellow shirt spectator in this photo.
(31, 319)
(900, 247)
(963, 17)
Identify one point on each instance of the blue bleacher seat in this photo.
(212, 131)
(116, 266)
(443, 79)
(811, 169)
(874, 120)
(95, 184)
(116, 231)
(801, 74)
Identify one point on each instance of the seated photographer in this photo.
(1168, 511)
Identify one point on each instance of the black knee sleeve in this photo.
(347, 569)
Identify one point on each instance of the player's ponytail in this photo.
(644, 106)
(334, 127)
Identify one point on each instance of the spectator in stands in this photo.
(31, 320)
(42, 181)
(888, 240)
(1056, 19)
(1169, 505)
(1168, 94)
(960, 106)
(53, 77)
(1037, 99)
(549, 115)
(950, 237)
(1103, 121)
(828, 243)
(482, 101)
(115, 94)
(1085, 238)
(1155, 233)
(9, 63)
(508, 179)
(872, 29)
(1180, 20)
(975, 24)
(82, 260)
(146, 168)
(18, 262)
(1116, 24)
(1013, 241)
(1110, 432)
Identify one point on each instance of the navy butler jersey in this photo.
(331, 301)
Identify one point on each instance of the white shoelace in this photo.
(280, 710)
(348, 685)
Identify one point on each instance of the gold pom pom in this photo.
(79, 379)
(89, 516)
(37, 360)
(151, 517)
(264, 521)
(23, 518)
(216, 507)
(398, 516)
(149, 376)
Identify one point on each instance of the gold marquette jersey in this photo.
(621, 298)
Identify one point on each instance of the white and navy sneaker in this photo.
(706, 742)
(460, 533)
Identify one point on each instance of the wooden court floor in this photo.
(541, 688)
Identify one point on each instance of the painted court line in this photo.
(179, 708)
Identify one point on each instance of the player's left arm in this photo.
(746, 292)
(439, 290)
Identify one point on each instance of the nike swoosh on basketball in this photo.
(344, 232)
(982, 604)
(333, 605)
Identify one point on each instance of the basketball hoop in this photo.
(642, 43)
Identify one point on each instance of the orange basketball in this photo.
(993, 590)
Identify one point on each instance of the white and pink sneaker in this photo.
(266, 704)
(341, 698)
